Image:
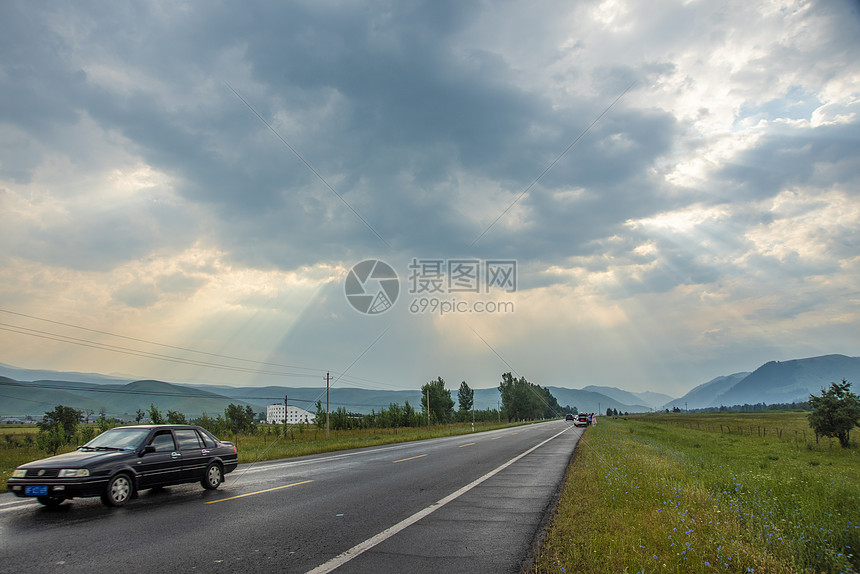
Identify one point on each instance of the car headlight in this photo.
(19, 473)
(73, 472)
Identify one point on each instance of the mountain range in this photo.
(32, 392)
(774, 382)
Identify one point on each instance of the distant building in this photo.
(295, 415)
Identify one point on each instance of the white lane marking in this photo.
(362, 547)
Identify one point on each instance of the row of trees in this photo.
(525, 401)
(521, 400)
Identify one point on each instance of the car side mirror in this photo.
(148, 448)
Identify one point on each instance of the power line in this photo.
(312, 372)
(148, 342)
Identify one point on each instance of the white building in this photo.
(295, 415)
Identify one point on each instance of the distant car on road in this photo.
(569, 418)
(124, 460)
(581, 420)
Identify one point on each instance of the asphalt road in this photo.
(471, 503)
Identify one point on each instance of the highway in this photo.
(471, 503)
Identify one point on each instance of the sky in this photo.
(643, 195)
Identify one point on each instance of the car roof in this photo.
(158, 427)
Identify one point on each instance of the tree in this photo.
(441, 406)
(835, 412)
(239, 419)
(65, 417)
(466, 397)
(319, 415)
(155, 415)
(51, 439)
(104, 423)
(176, 418)
(140, 415)
(57, 428)
(207, 422)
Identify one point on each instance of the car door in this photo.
(164, 466)
(195, 455)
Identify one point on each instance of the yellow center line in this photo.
(258, 492)
(467, 444)
(410, 458)
(496, 438)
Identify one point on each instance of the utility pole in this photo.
(286, 409)
(428, 408)
(327, 379)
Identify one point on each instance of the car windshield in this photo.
(118, 438)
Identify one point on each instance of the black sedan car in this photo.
(124, 460)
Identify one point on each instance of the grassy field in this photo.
(18, 444)
(722, 492)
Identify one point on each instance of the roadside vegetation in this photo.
(716, 492)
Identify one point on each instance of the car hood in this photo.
(76, 458)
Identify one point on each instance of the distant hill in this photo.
(355, 400)
(792, 381)
(624, 397)
(594, 402)
(19, 374)
(21, 398)
(656, 400)
(705, 394)
(633, 400)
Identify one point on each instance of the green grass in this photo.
(681, 493)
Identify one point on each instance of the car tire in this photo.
(51, 501)
(213, 478)
(119, 489)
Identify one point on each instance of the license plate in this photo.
(36, 491)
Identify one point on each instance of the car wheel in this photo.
(119, 490)
(51, 501)
(213, 477)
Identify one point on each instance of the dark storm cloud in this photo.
(388, 106)
(790, 156)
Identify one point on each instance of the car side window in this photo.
(188, 439)
(163, 442)
(207, 441)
